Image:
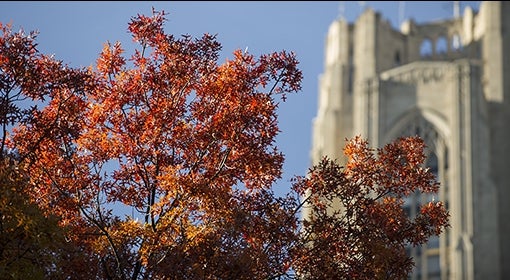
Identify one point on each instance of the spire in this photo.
(401, 12)
(456, 9)
(341, 10)
(362, 5)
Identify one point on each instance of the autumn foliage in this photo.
(160, 165)
(357, 227)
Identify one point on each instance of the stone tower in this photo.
(449, 82)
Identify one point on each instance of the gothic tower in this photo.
(449, 82)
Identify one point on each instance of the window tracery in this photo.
(431, 259)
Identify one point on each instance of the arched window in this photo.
(429, 258)
(456, 42)
(397, 61)
(350, 78)
(441, 45)
(426, 48)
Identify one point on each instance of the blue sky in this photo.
(75, 32)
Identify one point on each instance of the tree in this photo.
(32, 244)
(357, 227)
(184, 144)
(27, 238)
(160, 165)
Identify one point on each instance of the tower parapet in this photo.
(447, 81)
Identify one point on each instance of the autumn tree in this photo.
(356, 227)
(27, 238)
(160, 164)
(32, 244)
(184, 145)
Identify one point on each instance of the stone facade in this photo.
(449, 82)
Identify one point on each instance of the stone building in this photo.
(449, 82)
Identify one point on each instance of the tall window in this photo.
(441, 45)
(426, 48)
(456, 42)
(430, 259)
(350, 78)
(397, 60)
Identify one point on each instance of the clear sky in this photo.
(75, 32)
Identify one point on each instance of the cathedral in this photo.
(447, 81)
